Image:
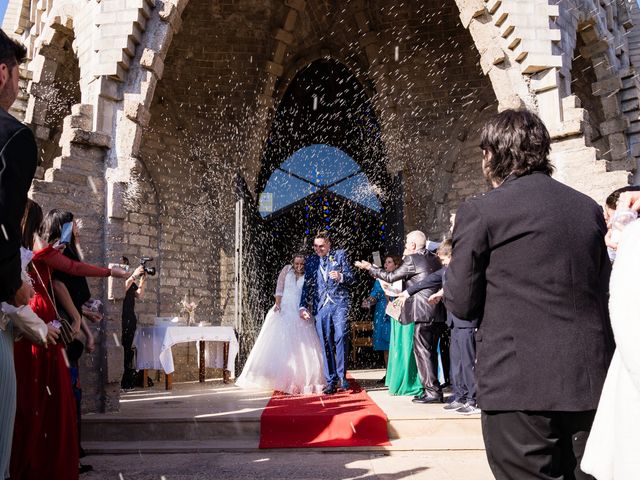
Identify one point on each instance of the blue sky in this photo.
(3, 8)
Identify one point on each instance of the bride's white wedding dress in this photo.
(287, 355)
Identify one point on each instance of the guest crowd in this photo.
(46, 302)
(518, 305)
(525, 281)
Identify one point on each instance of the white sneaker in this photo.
(468, 409)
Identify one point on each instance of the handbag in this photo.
(66, 330)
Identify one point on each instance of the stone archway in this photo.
(433, 71)
(54, 89)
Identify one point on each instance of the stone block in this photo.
(470, 9)
(137, 112)
(615, 125)
(152, 61)
(274, 69)
(618, 146)
(115, 200)
(595, 48)
(284, 36)
(290, 20)
(535, 62)
(606, 86)
(545, 80)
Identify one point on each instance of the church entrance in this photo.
(324, 168)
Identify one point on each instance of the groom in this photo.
(327, 275)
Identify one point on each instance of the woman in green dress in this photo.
(402, 373)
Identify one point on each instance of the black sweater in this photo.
(18, 161)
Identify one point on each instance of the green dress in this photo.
(402, 373)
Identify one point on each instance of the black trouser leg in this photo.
(455, 354)
(425, 339)
(536, 445)
(464, 340)
(128, 332)
(444, 343)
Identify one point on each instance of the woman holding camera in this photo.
(134, 288)
(45, 433)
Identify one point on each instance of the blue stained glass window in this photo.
(320, 164)
(358, 189)
(309, 170)
(285, 190)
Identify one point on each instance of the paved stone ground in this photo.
(446, 465)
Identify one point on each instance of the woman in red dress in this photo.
(45, 434)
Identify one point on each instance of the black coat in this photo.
(435, 281)
(18, 161)
(529, 258)
(414, 269)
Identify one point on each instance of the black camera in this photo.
(147, 270)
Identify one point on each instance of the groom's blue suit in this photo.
(329, 301)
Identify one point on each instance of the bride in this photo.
(287, 355)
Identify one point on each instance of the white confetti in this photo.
(92, 184)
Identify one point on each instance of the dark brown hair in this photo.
(31, 223)
(519, 144)
(397, 259)
(12, 52)
(612, 199)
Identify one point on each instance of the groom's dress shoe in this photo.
(344, 384)
(329, 390)
(428, 399)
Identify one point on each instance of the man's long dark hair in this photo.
(519, 144)
(11, 51)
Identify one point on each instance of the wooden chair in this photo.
(361, 336)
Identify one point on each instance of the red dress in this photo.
(45, 443)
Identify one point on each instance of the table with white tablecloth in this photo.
(217, 347)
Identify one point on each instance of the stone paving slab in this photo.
(291, 466)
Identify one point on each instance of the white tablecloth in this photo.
(153, 346)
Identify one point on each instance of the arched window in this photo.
(312, 170)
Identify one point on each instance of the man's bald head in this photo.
(416, 241)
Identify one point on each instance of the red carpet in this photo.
(345, 419)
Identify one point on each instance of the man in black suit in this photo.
(18, 159)
(529, 258)
(417, 264)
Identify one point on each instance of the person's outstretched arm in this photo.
(403, 272)
(433, 281)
